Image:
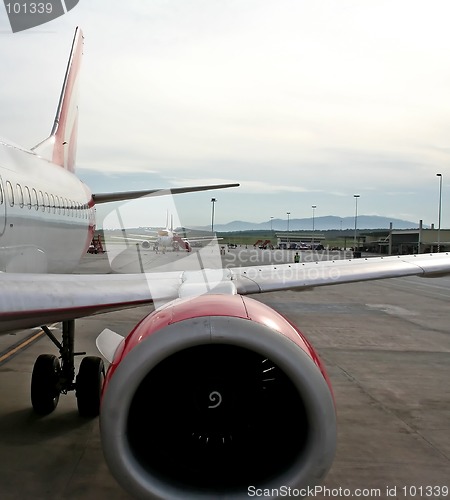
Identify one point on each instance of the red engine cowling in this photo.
(210, 396)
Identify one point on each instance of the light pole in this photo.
(271, 220)
(356, 196)
(313, 208)
(440, 210)
(288, 214)
(213, 201)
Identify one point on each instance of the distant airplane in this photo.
(164, 239)
(210, 393)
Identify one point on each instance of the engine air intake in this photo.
(216, 416)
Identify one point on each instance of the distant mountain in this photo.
(320, 224)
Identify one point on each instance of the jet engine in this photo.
(145, 244)
(210, 396)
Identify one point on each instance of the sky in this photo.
(304, 103)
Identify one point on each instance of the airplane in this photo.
(209, 393)
(164, 239)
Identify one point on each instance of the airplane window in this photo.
(41, 200)
(28, 197)
(19, 195)
(47, 201)
(35, 199)
(10, 192)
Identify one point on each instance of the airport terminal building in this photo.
(382, 241)
(406, 241)
(292, 239)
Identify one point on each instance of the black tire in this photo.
(45, 384)
(89, 385)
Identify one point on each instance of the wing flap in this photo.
(259, 279)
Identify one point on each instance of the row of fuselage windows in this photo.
(24, 197)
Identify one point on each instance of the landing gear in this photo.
(89, 386)
(45, 384)
(52, 377)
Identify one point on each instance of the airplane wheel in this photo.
(44, 384)
(89, 385)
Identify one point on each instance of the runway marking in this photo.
(391, 309)
(412, 285)
(22, 345)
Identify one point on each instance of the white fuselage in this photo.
(46, 214)
(164, 238)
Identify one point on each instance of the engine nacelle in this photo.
(212, 395)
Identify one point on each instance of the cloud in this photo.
(318, 99)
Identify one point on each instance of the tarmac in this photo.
(385, 344)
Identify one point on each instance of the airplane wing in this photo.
(28, 300)
(259, 279)
(204, 238)
(141, 239)
(131, 195)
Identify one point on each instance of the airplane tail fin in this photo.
(60, 146)
(170, 228)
